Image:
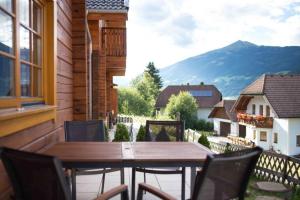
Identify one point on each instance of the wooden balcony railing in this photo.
(256, 120)
(114, 41)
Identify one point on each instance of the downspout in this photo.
(90, 70)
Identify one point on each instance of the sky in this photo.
(168, 31)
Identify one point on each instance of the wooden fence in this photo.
(270, 166)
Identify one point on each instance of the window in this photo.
(275, 138)
(298, 140)
(254, 134)
(261, 110)
(28, 52)
(201, 93)
(253, 109)
(263, 136)
(21, 67)
(267, 111)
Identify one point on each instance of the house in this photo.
(269, 110)
(225, 119)
(57, 69)
(206, 96)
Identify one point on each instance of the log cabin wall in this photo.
(80, 60)
(41, 136)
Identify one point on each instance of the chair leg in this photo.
(140, 194)
(145, 181)
(103, 181)
(133, 184)
(122, 175)
(183, 184)
(125, 195)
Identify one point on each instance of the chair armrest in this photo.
(155, 191)
(113, 192)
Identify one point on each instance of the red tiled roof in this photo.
(203, 102)
(282, 92)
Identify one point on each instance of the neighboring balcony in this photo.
(114, 44)
(255, 120)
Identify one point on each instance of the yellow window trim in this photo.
(14, 120)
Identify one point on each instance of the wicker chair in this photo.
(89, 131)
(164, 131)
(223, 177)
(35, 177)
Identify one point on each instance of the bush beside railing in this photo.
(270, 166)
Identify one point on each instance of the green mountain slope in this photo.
(233, 67)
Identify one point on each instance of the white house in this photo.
(269, 109)
(206, 96)
(225, 119)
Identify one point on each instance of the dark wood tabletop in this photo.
(127, 154)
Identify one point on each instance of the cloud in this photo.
(167, 31)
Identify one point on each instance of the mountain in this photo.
(233, 67)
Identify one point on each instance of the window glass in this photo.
(263, 136)
(36, 17)
(24, 44)
(6, 77)
(253, 109)
(6, 4)
(37, 50)
(201, 93)
(24, 12)
(275, 138)
(37, 82)
(25, 80)
(268, 111)
(298, 140)
(6, 33)
(261, 110)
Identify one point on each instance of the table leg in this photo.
(73, 175)
(122, 175)
(133, 184)
(183, 184)
(193, 178)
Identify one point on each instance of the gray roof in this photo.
(107, 5)
(282, 92)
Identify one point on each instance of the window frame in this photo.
(261, 110)
(268, 111)
(12, 118)
(260, 138)
(254, 134)
(253, 109)
(17, 101)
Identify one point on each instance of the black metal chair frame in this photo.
(18, 184)
(252, 153)
(179, 138)
(99, 138)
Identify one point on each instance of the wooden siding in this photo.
(41, 136)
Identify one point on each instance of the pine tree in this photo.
(154, 72)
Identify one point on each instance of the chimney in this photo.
(188, 84)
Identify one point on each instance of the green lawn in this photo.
(253, 193)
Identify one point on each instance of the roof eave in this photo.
(107, 11)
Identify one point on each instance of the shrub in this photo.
(106, 135)
(121, 133)
(202, 125)
(227, 148)
(141, 134)
(204, 141)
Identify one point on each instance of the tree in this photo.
(141, 134)
(146, 86)
(121, 133)
(154, 73)
(130, 102)
(186, 105)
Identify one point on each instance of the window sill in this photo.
(12, 120)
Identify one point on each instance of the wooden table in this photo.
(126, 154)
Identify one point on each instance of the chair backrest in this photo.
(164, 130)
(226, 176)
(84, 131)
(34, 176)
